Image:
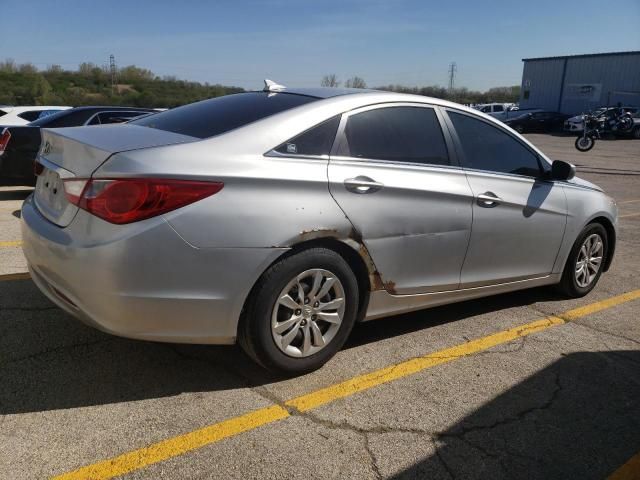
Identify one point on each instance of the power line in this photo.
(113, 70)
(452, 75)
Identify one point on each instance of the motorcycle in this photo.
(590, 132)
(594, 126)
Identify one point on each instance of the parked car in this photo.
(19, 145)
(10, 116)
(540, 121)
(575, 124)
(280, 218)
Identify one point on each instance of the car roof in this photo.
(325, 92)
(112, 107)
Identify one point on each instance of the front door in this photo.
(392, 175)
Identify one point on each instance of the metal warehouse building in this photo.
(579, 83)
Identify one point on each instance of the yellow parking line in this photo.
(14, 276)
(13, 243)
(629, 215)
(628, 471)
(172, 447)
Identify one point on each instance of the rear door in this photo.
(519, 217)
(392, 173)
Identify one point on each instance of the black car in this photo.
(541, 121)
(19, 145)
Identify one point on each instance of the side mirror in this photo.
(561, 170)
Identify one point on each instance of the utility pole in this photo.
(112, 69)
(452, 76)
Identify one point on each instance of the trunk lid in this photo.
(78, 152)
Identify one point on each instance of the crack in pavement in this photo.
(615, 335)
(513, 418)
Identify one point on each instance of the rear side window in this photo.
(498, 108)
(316, 141)
(402, 134)
(118, 117)
(222, 114)
(487, 148)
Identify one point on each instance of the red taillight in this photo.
(4, 140)
(133, 199)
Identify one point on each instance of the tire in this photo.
(264, 313)
(636, 133)
(569, 284)
(584, 144)
(519, 129)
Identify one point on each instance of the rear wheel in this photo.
(301, 312)
(584, 265)
(519, 129)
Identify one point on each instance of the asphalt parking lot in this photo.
(521, 385)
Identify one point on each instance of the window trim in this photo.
(340, 142)
(460, 151)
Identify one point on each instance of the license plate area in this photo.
(51, 200)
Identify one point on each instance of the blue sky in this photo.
(408, 42)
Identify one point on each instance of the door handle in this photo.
(488, 200)
(362, 184)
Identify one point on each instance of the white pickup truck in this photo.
(501, 111)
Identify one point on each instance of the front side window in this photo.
(402, 134)
(316, 141)
(486, 147)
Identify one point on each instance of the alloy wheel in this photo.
(589, 260)
(308, 313)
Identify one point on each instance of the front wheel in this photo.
(519, 129)
(636, 133)
(301, 312)
(584, 265)
(584, 144)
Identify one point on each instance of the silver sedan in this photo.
(279, 218)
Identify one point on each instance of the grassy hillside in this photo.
(91, 85)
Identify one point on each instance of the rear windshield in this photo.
(222, 114)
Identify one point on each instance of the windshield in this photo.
(46, 120)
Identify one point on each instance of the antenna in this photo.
(271, 86)
(453, 68)
(113, 70)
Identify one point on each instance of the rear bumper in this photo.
(141, 280)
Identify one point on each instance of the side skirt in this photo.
(383, 304)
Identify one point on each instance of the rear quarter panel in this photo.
(266, 201)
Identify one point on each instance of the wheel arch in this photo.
(351, 250)
(611, 238)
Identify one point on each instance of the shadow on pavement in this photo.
(15, 194)
(577, 418)
(49, 361)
